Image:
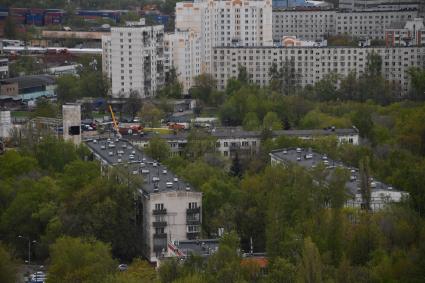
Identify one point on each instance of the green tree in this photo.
(311, 267)
(8, 267)
(78, 260)
(138, 271)
(365, 183)
(150, 114)
(205, 84)
(271, 121)
(417, 79)
(67, 88)
(326, 88)
(158, 148)
(243, 75)
(251, 122)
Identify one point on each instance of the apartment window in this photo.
(159, 230)
(159, 206)
(225, 144)
(193, 205)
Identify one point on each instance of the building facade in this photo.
(230, 140)
(226, 23)
(409, 33)
(381, 194)
(313, 64)
(133, 59)
(318, 24)
(182, 51)
(167, 210)
(365, 5)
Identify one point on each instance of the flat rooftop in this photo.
(308, 159)
(238, 132)
(202, 247)
(119, 152)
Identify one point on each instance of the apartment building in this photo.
(314, 63)
(365, 5)
(226, 23)
(167, 210)
(182, 51)
(4, 68)
(318, 24)
(381, 193)
(133, 59)
(408, 33)
(230, 140)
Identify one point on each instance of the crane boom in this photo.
(114, 121)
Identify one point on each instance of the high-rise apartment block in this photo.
(133, 59)
(183, 52)
(226, 23)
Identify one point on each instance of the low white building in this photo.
(168, 209)
(381, 194)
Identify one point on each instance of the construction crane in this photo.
(117, 130)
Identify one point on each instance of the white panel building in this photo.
(314, 63)
(167, 208)
(182, 51)
(226, 23)
(133, 59)
(313, 24)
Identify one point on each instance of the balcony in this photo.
(193, 222)
(157, 224)
(160, 236)
(193, 210)
(192, 235)
(159, 211)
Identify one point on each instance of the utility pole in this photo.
(29, 246)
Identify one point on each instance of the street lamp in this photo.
(29, 246)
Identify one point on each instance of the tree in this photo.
(133, 104)
(53, 154)
(326, 88)
(158, 148)
(67, 88)
(417, 78)
(150, 114)
(173, 88)
(284, 79)
(45, 109)
(243, 75)
(271, 121)
(138, 271)
(373, 65)
(199, 143)
(251, 122)
(78, 260)
(365, 186)
(8, 266)
(9, 28)
(204, 86)
(310, 269)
